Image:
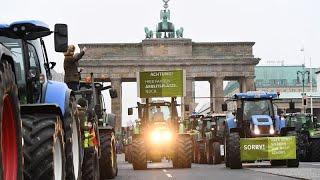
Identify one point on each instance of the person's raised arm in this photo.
(78, 56)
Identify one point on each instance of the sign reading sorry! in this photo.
(161, 84)
(268, 148)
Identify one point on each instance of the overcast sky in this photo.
(280, 28)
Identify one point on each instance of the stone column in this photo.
(216, 94)
(250, 83)
(116, 104)
(242, 84)
(188, 100)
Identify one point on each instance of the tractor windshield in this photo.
(300, 121)
(160, 113)
(257, 107)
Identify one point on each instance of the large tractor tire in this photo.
(226, 156)
(126, 157)
(201, 154)
(108, 159)
(43, 147)
(304, 152)
(216, 153)
(139, 154)
(10, 126)
(72, 141)
(315, 150)
(130, 153)
(195, 153)
(90, 166)
(209, 152)
(294, 162)
(233, 156)
(183, 152)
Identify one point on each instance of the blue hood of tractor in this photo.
(261, 120)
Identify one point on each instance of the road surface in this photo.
(256, 171)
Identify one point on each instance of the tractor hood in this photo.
(261, 120)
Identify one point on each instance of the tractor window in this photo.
(160, 113)
(257, 107)
(15, 46)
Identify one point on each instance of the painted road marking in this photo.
(164, 170)
(169, 175)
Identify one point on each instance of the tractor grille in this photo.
(264, 129)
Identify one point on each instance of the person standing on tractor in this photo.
(71, 64)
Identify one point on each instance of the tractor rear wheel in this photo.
(43, 147)
(108, 159)
(216, 153)
(233, 144)
(201, 155)
(10, 126)
(209, 153)
(183, 152)
(90, 166)
(315, 150)
(139, 154)
(294, 162)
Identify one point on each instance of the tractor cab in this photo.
(255, 114)
(31, 64)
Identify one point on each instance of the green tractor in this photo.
(308, 130)
(208, 141)
(158, 136)
(127, 133)
(98, 133)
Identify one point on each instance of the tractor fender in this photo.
(57, 93)
(43, 108)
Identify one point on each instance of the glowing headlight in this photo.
(167, 135)
(256, 130)
(271, 131)
(156, 136)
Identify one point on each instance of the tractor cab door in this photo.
(34, 73)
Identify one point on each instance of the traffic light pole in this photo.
(303, 75)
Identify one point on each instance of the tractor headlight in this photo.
(271, 131)
(155, 136)
(256, 130)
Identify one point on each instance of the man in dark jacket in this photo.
(71, 64)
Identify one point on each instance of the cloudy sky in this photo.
(280, 28)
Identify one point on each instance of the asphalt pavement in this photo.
(256, 171)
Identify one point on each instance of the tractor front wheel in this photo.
(183, 152)
(108, 159)
(294, 162)
(314, 148)
(10, 126)
(216, 153)
(233, 144)
(139, 154)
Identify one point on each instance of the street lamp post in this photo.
(303, 76)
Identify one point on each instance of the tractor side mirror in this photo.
(291, 106)
(113, 93)
(224, 107)
(60, 37)
(130, 111)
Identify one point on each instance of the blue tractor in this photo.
(50, 126)
(255, 121)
